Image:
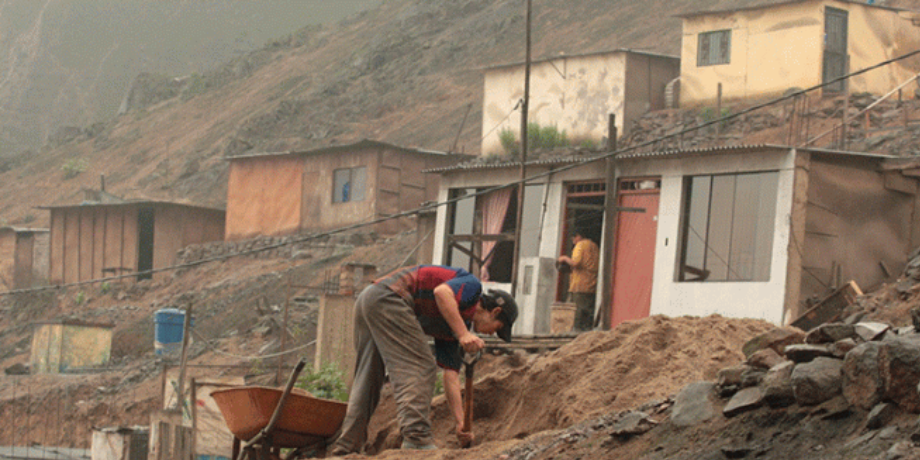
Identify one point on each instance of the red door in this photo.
(635, 250)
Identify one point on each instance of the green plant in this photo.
(105, 287)
(509, 141)
(545, 137)
(328, 382)
(73, 167)
(707, 114)
(80, 298)
(538, 137)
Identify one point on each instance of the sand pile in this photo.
(596, 374)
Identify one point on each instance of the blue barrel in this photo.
(168, 330)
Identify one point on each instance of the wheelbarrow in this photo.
(265, 420)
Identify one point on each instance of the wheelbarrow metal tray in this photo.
(304, 419)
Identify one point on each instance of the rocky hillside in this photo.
(71, 62)
(405, 72)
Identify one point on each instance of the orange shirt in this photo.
(584, 269)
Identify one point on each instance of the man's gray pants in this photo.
(389, 341)
(584, 310)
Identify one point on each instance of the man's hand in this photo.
(471, 343)
(466, 438)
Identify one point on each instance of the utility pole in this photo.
(525, 104)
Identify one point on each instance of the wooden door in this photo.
(634, 256)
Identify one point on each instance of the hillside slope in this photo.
(71, 62)
(407, 72)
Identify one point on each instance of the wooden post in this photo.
(718, 111)
(525, 107)
(846, 107)
(284, 329)
(610, 204)
(180, 390)
(193, 442)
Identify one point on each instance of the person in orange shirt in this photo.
(583, 279)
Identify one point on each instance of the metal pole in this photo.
(520, 202)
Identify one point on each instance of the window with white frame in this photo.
(727, 227)
(714, 48)
(349, 184)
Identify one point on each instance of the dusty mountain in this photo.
(71, 62)
(406, 72)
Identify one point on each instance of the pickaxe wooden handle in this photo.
(469, 364)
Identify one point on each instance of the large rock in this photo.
(900, 372)
(731, 376)
(777, 339)
(840, 348)
(777, 385)
(863, 385)
(817, 381)
(744, 400)
(869, 331)
(803, 352)
(631, 424)
(830, 332)
(765, 359)
(693, 404)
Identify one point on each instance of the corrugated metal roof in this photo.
(478, 164)
(580, 55)
(362, 144)
(569, 158)
(10, 228)
(131, 203)
(775, 4)
(77, 322)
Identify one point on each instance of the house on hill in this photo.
(575, 93)
(96, 240)
(752, 231)
(766, 50)
(329, 188)
(23, 257)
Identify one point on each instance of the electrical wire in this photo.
(250, 357)
(432, 206)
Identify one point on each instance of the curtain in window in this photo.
(494, 209)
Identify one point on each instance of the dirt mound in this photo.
(598, 373)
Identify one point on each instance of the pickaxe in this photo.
(469, 362)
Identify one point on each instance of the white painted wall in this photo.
(533, 307)
(763, 300)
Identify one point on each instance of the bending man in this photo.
(393, 318)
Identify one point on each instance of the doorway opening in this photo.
(145, 224)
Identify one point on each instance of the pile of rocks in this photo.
(873, 366)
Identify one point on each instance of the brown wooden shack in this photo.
(23, 257)
(330, 187)
(98, 240)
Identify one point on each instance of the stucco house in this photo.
(328, 188)
(23, 257)
(743, 231)
(95, 240)
(765, 50)
(575, 93)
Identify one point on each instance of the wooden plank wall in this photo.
(263, 196)
(112, 259)
(8, 259)
(22, 264)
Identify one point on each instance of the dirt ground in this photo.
(599, 372)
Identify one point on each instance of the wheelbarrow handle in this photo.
(287, 391)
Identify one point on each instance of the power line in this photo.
(434, 205)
